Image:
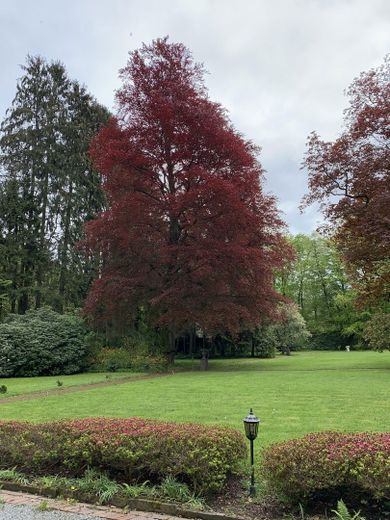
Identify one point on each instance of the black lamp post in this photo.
(251, 424)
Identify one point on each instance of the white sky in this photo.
(279, 66)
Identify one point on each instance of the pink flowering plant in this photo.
(129, 450)
(327, 463)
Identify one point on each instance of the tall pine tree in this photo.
(48, 187)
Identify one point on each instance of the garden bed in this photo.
(159, 466)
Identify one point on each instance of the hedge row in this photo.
(330, 464)
(129, 450)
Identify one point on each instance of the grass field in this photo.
(308, 391)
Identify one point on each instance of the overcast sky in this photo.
(279, 66)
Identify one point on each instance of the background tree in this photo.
(350, 177)
(290, 330)
(318, 284)
(377, 331)
(189, 234)
(48, 187)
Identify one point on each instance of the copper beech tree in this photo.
(351, 178)
(189, 234)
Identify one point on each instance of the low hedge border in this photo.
(128, 450)
(135, 504)
(330, 465)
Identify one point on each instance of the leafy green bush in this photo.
(42, 342)
(330, 465)
(149, 363)
(328, 340)
(113, 359)
(129, 450)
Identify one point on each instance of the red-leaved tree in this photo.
(351, 178)
(189, 235)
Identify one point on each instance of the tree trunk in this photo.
(64, 251)
(40, 267)
(204, 362)
(170, 353)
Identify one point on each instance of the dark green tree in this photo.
(48, 187)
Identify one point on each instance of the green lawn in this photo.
(308, 391)
(27, 385)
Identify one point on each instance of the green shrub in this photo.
(149, 363)
(42, 342)
(129, 450)
(328, 340)
(113, 359)
(330, 465)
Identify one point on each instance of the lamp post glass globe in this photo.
(251, 425)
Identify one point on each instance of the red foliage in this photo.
(131, 449)
(355, 168)
(189, 233)
(329, 463)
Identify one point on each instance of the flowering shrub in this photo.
(129, 450)
(330, 462)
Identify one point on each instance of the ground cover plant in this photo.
(128, 450)
(97, 486)
(292, 395)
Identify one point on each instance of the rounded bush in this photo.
(130, 450)
(42, 342)
(330, 464)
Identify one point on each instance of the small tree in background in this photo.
(189, 234)
(377, 331)
(291, 328)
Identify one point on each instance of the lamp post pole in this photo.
(252, 489)
(251, 424)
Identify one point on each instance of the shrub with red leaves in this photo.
(129, 450)
(328, 463)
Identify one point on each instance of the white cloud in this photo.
(280, 67)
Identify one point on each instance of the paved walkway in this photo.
(22, 506)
